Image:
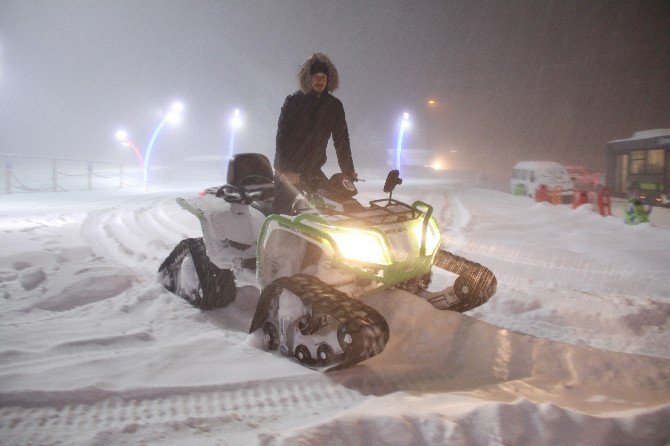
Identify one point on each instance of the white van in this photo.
(527, 176)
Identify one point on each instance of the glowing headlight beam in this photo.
(363, 246)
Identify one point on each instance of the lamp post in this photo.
(173, 116)
(236, 123)
(403, 125)
(122, 136)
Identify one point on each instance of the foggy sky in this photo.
(513, 80)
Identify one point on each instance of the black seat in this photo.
(250, 181)
(246, 170)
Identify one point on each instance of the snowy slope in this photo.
(573, 349)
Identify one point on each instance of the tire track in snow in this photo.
(174, 219)
(161, 229)
(520, 266)
(50, 417)
(132, 233)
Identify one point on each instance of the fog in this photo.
(511, 80)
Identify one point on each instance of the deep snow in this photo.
(573, 349)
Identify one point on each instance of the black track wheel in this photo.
(474, 289)
(303, 355)
(324, 354)
(360, 339)
(270, 336)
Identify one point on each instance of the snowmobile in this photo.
(315, 267)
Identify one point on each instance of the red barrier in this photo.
(579, 198)
(541, 193)
(604, 202)
(556, 195)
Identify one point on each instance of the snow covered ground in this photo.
(573, 349)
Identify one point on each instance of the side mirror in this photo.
(392, 180)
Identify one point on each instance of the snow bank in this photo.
(573, 348)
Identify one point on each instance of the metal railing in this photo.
(23, 173)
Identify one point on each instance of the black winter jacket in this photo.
(305, 124)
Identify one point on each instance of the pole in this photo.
(120, 175)
(89, 168)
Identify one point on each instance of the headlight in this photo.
(433, 236)
(365, 246)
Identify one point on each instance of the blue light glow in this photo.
(236, 122)
(147, 153)
(403, 125)
(231, 147)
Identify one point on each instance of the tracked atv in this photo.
(314, 267)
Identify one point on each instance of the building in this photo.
(641, 162)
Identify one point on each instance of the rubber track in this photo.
(369, 328)
(218, 286)
(475, 283)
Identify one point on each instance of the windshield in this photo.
(554, 173)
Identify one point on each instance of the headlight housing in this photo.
(433, 236)
(361, 245)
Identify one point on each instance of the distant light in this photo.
(173, 117)
(436, 165)
(431, 102)
(453, 151)
(121, 135)
(177, 107)
(237, 121)
(405, 121)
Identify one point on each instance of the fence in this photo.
(21, 173)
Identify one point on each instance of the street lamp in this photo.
(173, 116)
(236, 123)
(403, 125)
(122, 136)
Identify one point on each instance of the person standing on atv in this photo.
(307, 120)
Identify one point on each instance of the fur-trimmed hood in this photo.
(303, 73)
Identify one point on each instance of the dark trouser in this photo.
(285, 193)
